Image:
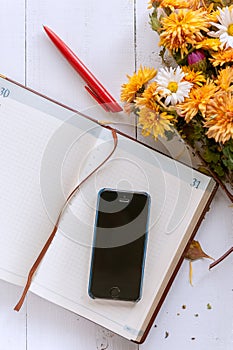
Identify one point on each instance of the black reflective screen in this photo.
(119, 245)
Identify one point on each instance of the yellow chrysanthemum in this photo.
(136, 82)
(209, 44)
(194, 77)
(182, 28)
(154, 122)
(225, 79)
(149, 96)
(197, 101)
(219, 117)
(221, 57)
(213, 15)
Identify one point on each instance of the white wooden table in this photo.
(112, 38)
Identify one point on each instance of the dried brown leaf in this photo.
(195, 252)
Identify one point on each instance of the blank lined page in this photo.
(37, 150)
(175, 191)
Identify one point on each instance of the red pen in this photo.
(94, 87)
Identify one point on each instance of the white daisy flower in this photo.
(171, 85)
(225, 32)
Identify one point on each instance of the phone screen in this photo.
(119, 245)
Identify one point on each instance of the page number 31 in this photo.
(4, 92)
(195, 183)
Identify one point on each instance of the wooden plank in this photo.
(198, 326)
(52, 327)
(102, 35)
(147, 54)
(147, 41)
(12, 38)
(12, 324)
(174, 326)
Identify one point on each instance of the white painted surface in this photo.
(102, 33)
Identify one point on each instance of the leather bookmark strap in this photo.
(50, 239)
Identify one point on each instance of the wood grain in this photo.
(100, 33)
(104, 42)
(52, 327)
(13, 326)
(112, 38)
(12, 39)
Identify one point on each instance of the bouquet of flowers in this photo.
(193, 91)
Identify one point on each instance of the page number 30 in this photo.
(4, 92)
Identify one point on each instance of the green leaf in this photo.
(198, 132)
(211, 157)
(218, 169)
(154, 21)
(228, 156)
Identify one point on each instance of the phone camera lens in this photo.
(109, 196)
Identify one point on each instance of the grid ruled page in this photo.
(40, 158)
(64, 272)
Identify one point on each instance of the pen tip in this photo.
(45, 28)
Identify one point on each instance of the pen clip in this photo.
(98, 99)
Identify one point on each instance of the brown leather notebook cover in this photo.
(192, 234)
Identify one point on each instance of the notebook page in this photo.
(37, 149)
(63, 275)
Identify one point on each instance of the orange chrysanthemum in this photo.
(225, 79)
(194, 77)
(154, 122)
(179, 4)
(182, 28)
(197, 101)
(136, 82)
(175, 4)
(219, 117)
(221, 57)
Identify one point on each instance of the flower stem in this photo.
(216, 262)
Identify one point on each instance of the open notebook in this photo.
(46, 149)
